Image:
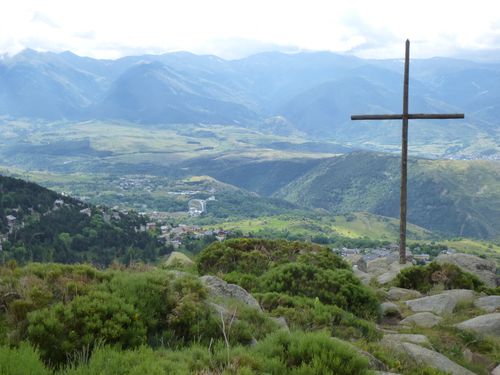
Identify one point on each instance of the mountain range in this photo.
(313, 93)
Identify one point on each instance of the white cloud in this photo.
(368, 28)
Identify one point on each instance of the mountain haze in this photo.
(315, 93)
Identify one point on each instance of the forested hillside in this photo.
(38, 224)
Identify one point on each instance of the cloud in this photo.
(39, 17)
(235, 48)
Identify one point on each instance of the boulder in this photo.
(422, 319)
(220, 289)
(484, 269)
(489, 303)
(373, 362)
(430, 358)
(281, 322)
(178, 258)
(488, 324)
(390, 309)
(496, 370)
(398, 294)
(443, 303)
(398, 338)
(363, 276)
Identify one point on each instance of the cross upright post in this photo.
(405, 116)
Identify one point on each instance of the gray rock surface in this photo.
(220, 288)
(489, 303)
(496, 370)
(443, 303)
(398, 294)
(363, 276)
(281, 322)
(430, 358)
(390, 309)
(397, 339)
(422, 319)
(484, 269)
(488, 324)
(373, 362)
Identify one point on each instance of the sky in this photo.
(236, 28)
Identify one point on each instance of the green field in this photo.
(356, 225)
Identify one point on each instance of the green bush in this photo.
(255, 256)
(310, 314)
(332, 287)
(63, 330)
(424, 278)
(309, 353)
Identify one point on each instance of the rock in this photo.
(390, 309)
(484, 269)
(385, 373)
(496, 370)
(430, 358)
(353, 258)
(488, 324)
(461, 295)
(397, 339)
(443, 303)
(477, 358)
(422, 319)
(178, 258)
(387, 277)
(281, 322)
(363, 276)
(219, 288)
(373, 362)
(489, 303)
(398, 294)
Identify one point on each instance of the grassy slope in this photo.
(356, 225)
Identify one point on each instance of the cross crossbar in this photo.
(405, 116)
(411, 116)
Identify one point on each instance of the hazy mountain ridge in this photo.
(314, 92)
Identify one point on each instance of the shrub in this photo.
(255, 256)
(424, 278)
(62, 330)
(310, 314)
(309, 353)
(335, 287)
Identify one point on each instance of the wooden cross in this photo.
(405, 116)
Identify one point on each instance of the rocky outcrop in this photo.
(384, 269)
(489, 303)
(429, 358)
(398, 338)
(422, 319)
(496, 370)
(390, 309)
(443, 303)
(281, 323)
(400, 294)
(488, 324)
(220, 289)
(484, 269)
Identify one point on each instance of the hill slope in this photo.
(313, 92)
(453, 197)
(37, 224)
